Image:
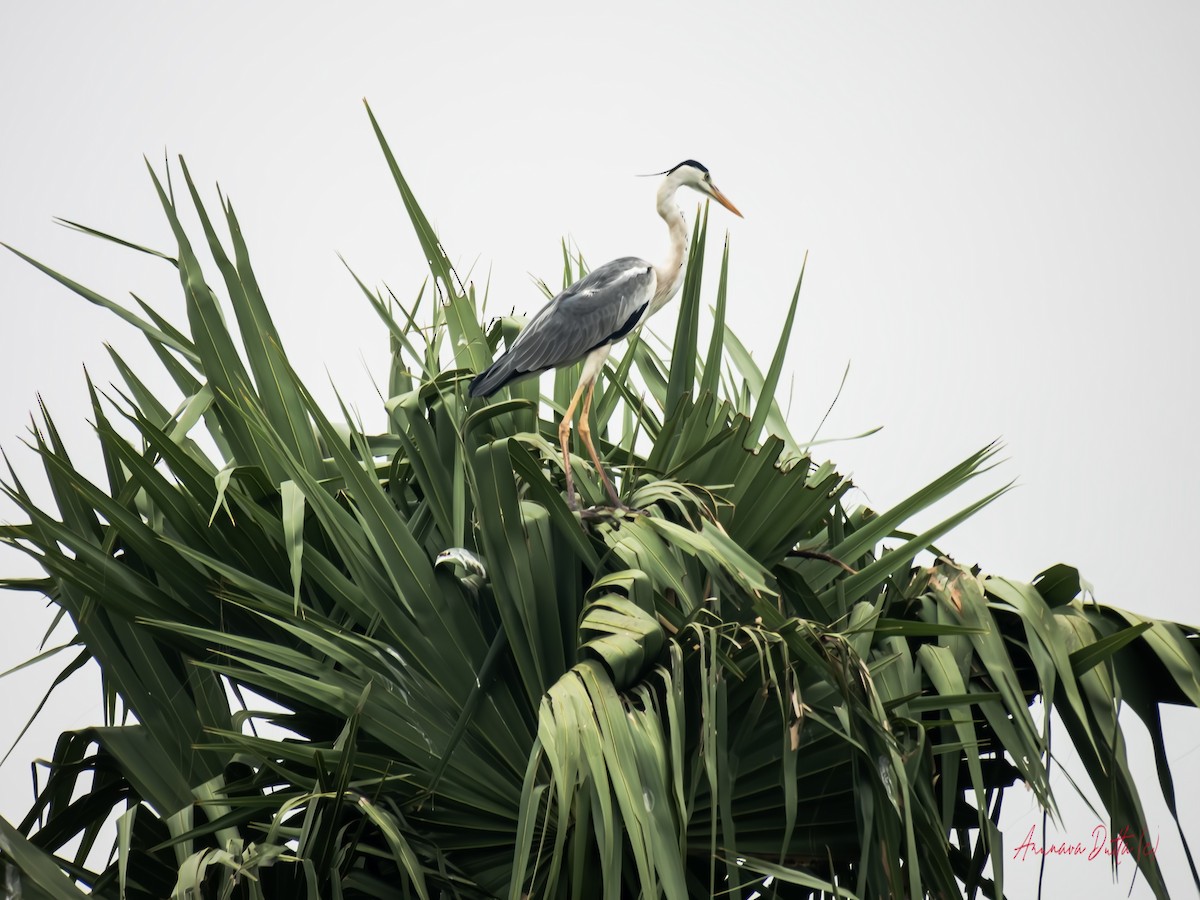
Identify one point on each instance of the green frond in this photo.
(358, 662)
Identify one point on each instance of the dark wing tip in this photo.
(497, 375)
(479, 386)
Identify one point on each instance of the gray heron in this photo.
(603, 307)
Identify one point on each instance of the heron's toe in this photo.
(613, 513)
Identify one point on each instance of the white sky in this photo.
(1000, 204)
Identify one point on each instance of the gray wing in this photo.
(600, 308)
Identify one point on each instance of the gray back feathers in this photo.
(600, 308)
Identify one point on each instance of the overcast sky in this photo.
(1000, 207)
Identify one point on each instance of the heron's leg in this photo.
(564, 438)
(585, 432)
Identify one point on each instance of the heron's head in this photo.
(690, 173)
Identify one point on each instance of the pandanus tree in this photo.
(389, 661)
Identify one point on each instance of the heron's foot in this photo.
(610, 513)
(629, 510)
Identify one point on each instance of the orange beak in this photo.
(721, 198)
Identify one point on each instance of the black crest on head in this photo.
(686, 162)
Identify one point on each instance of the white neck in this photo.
(670, 272)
